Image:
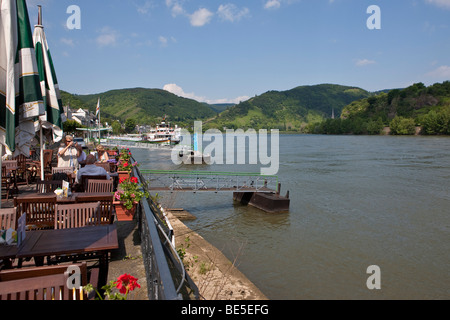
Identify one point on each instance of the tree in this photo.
(130, 125)
(116, 127)
(70, 126)
(403, 126)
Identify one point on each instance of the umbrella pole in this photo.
(1, 155)
(42, 152)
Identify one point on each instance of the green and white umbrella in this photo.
(20, 95)
(51, 120)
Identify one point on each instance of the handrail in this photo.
(161, 282)
(206, 173)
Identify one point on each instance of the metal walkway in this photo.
(194, 181)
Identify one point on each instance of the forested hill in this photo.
(400, 109)
(143, 105)
(289, 110)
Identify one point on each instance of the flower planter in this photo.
(124, 174)
(122, 213)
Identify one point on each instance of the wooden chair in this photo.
(77, 215)
(45, 186)
(40, 211)
(99, 185)
(104, 165)
(85, 179)
(6, 182)
(46, 283)
(22, 168)
(8, 218)
(9, 164)
(68, 170)
(48, 157)
(106, 205)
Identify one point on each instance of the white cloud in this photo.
(229, 12)
(272, 4)
(364, 62)
(108, 37)
(440, 3)
(68, 42)
(144, 8)
(200, 17)
(177, 90)
(163, 41)
(442, 72)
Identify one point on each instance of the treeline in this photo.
(402, 110)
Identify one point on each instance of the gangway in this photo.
(195, 181)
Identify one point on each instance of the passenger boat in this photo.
(163, 133)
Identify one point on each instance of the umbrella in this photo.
(20, 94)
(51, 120)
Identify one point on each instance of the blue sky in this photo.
(227, 50)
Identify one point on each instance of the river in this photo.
(356, 201)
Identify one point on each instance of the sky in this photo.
(226, 51)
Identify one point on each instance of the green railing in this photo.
(179, 180)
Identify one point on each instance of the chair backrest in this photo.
(42, 283)
(45, 186)
(104, 165)
(48, 157)
(77, 215)
(85, 179)
(40, 211)
(106, 205)
(9, 164)
(62, 169)
(8, 218)
(4, 173)
(21, 161)
(99, 185)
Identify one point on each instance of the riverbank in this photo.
(216, 277)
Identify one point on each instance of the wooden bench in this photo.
(45, 283)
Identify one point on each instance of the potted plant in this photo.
(128, 194)
(124, 164)
(125, 284)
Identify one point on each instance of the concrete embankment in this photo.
(216, 277)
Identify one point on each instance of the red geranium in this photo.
(126, 283)
(134, 179)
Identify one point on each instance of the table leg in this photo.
(103, 272)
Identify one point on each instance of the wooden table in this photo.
(7, 254)
(70, 199)
(61, 200)
(101, 239)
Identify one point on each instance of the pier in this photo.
(260, 191)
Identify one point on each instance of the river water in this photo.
(356, 201)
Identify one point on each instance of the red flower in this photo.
(134, 179)
(125, 164)
(126, 283)
(122, 180)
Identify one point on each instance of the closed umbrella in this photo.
(51, 120)
(20, 95)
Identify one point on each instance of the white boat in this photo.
(163, 134)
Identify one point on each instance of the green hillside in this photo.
(143, 105)
(400, 109)
(289, 110)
